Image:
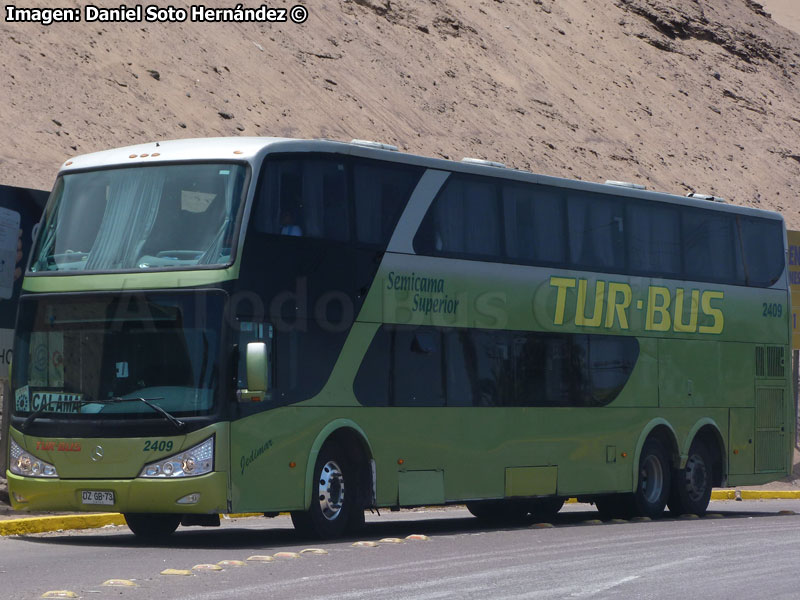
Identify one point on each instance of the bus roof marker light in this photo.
(238, 152)
(371, 144)
(626, 184)
(292, 465)
(485, 163)
(132, 156)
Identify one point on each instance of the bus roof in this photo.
(253, 149)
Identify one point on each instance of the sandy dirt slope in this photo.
(682, 95)
(784, 12)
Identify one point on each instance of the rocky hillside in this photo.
(681, 95)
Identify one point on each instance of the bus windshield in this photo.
(134, 218)
(83, 356)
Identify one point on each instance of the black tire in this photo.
(652, 491)
(499, 511)
(691, 486)
(152, 527)
(544, 509)
(333, 501)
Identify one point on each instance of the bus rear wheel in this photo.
(332, 500)
(691, 486)
(152, 527)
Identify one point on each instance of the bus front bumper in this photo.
(205, 494)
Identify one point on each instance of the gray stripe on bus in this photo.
(429, 185)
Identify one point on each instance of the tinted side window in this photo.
(762, 244)
(711, 248)
(381, 192)
(373, 383)
(596, 232)
(464, 221)
(654, 239)
(402, 367)
(417, 367)
(305, 197)
(534, 223)
(426, 366)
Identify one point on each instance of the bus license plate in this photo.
(96, 497)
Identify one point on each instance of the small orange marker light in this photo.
(68, 164)
(736, 451)
(156, 154)
(132, 156)
(292, 465)
(144, 155)
(238, 152)
(624, 455)
(400, 461)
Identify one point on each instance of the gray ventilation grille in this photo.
(770, 438)
(769, 361)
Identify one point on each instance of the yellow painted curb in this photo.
(43, 524)
(89, 521)
(730, 494)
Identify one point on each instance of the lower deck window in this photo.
(427, 366)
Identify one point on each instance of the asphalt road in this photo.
(749, 551)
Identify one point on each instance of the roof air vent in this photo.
(627, 184)
(485, 163)
(371, 144)
(708, 197)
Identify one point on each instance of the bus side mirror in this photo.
(257, 366)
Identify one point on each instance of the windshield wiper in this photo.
(179, 425)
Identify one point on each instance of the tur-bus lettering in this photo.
(611, 302)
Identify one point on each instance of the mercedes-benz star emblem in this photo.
(97, 453)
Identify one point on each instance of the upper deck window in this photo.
(167, 216)
(333, 197)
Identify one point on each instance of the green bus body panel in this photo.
(471, 447)
(132, 495)
(741, 451)
(531, 481)
(517, 297)
(420, 487)
(118, 470)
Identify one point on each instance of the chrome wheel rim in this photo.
(652, 476)
(696, 477)
(331, 490)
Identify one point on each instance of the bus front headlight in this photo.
(197, 460)
(27, 465)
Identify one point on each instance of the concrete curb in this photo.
(95, 521)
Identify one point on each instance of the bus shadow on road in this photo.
(254, 533)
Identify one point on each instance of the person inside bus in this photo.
(288, 225)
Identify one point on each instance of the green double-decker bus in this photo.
(265, 325)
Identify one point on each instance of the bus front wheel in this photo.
(152, 527)
(691, 486)
(332, 500)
